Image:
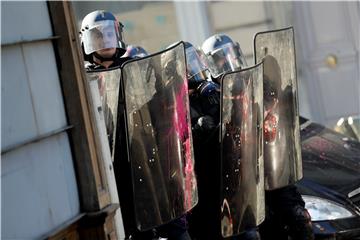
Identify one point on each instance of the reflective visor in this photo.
(195, 64)
(225, 59)
(101, 36)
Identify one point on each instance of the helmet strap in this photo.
(119, 52)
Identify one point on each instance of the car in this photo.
(331, 183)
(349, 126)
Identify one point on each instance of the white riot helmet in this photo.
(223, 54)
(101, 30)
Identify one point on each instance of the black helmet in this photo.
(223, 54)
(101, 30)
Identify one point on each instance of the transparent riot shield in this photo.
(108, 82)
(104, 87)
(242, 186)
(159, 137)
(282, 150)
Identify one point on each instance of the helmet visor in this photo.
(225, 59)
(103, 35)
(195, 64)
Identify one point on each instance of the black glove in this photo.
(206, 123)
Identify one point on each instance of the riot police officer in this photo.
(204, 96)
(285, 206)
(204, 110)
(224, 55)
(103, 49)
(286, 214)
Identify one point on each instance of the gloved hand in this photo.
(206, 123)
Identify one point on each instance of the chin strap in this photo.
(119, 52)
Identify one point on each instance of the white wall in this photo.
(39, 190)
(321, 29)
(327, 29)
(192, 21)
